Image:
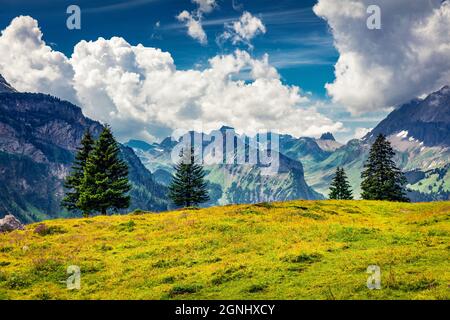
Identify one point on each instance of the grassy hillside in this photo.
(292, 250)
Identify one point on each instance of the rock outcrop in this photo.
(10, 223)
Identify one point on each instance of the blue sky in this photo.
(299, 44)
(297, 41)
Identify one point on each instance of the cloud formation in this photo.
(378, 69)
(28, 63)
(141, 93)
(243, 30)
(361, 132)
(205, 6)
(195, 28)
(193, 20)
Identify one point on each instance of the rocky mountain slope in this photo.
(431, 185)
(5, 86)
(39, 135)
(426, 121)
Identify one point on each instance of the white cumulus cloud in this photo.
(28, 63)
(205, 6)
(243, 30)
(194, 25)
(141, 93)
(378, 69)
(193, 20)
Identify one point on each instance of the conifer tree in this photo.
(73, 181)
(105, 181)
(382, 180)
(188, 187)
(340, 187)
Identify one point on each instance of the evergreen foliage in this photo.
(340, 187)
(73, 181)
(105, 181)
(382, 180)
(188, 187)
(99, 179)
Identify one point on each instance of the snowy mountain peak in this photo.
(426, 120)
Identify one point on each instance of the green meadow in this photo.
(290, 250)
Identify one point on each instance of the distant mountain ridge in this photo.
(233, 183)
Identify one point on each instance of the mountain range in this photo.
(232, 182)
(39, 136)
(418, 130)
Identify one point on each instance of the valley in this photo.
(39, 136)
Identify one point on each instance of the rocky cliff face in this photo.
(41, 127)
(39, 135)
(246, 184)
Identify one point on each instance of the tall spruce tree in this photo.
(105, 181)
(340, 187)
(382, 180)
(73, 181)
(188, 187)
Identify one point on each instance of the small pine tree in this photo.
(73, 181)
(105, 181)
(382, 180)
(188, 187)
(340, 187)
